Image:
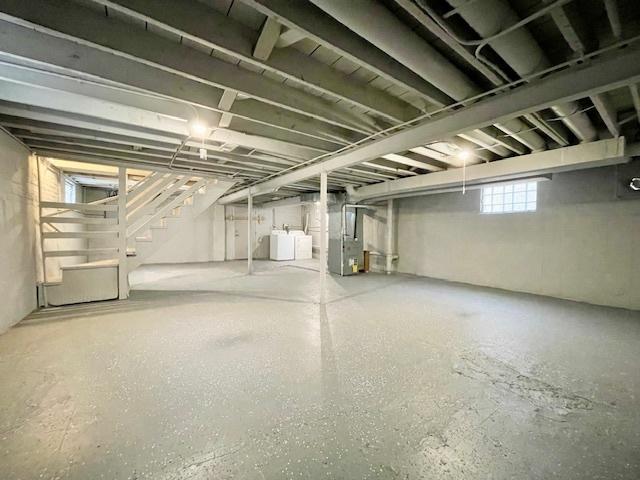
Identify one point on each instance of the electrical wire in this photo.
(180, 147)
(483, 42)
(498, 89)
(472, 43)
(575, 112)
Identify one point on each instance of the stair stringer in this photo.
(160, 232)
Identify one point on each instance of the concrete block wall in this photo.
(375, 237)
(18, 238)
(265, 220)
(581, 244)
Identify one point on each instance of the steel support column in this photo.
(250, 233)
(323, 234)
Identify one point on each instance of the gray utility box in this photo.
(346, 255)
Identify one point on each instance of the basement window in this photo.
(513, 198)
(69, 191)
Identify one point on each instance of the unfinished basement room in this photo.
(320, 239)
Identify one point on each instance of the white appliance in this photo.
(303, 246)
(281, 245)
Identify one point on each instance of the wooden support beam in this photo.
(267, 40)
(123, 271)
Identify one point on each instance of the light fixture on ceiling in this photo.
(199, 129)
(465, 154)
(635, 184)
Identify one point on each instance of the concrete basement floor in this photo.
(206, 373)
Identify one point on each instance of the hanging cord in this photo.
(464, 176)
(180, 147)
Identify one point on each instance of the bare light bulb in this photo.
(198, 129)
(465, 155)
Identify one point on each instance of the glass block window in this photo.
(516, 197)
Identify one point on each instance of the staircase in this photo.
(157, 207)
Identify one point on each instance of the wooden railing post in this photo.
(123, 273)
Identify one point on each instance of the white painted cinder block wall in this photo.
(18, 240)
(202, 240)
(582, 243)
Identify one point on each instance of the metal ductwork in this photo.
(373, 22)
(314, 197)
(520, 51)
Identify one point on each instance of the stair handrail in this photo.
(136, 227)
(145, 208)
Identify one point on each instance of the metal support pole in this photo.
(323, 234)
(123, 273)
(250, 233)
(389, 235)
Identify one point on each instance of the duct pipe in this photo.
(520, 51)
(373, 22)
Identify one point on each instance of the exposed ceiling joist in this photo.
(586, 155)
(193, 20)
(598, 76)
(267, 40)
(22, 43)
(635, 95)
(332, 34)
(119, 113)
(607, 113)
(411, 162)
(613, 14)
(289, 37)
(426, 21)
(86, 26)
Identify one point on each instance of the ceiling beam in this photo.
(598, 76)
(158, 141)
(194, 20)
(225, 103)
(326, 31)
(289, 37)
(570, 28)
(586, 155)
(635, 95)
(88, 27)
(410, 162)
(459, 49)
(136, 118)
(607, 113)
(141, 164)
(267, 40)
(149, 148)
(23, 44)
(614, 17)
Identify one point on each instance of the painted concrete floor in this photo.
(209, 374)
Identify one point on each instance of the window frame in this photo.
(503, 198)
(69, 186)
